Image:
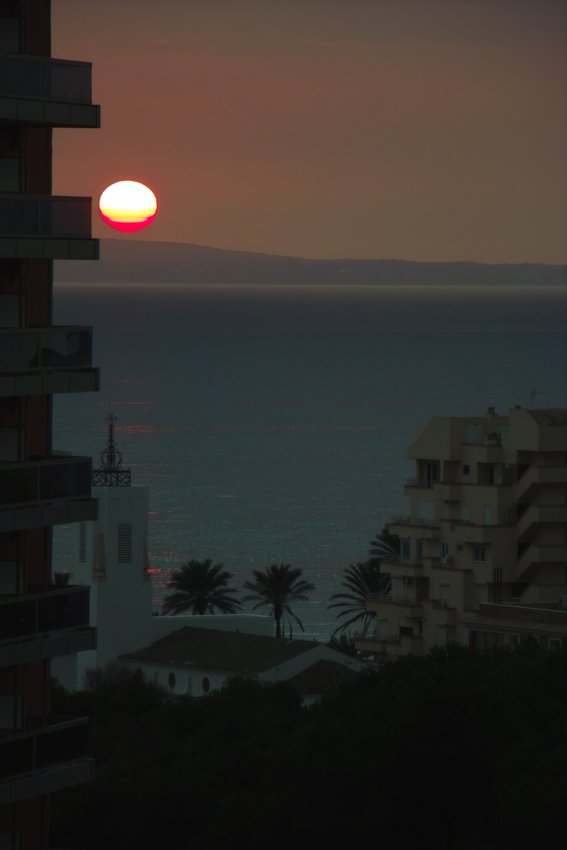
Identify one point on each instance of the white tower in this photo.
(112, 558)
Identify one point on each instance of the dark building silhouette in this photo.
(41, 617)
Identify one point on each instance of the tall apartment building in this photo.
(486, 532)
(39, 487)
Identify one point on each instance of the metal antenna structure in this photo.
(533, 396)
(111, 473)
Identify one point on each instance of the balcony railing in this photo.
(57, 609)
(40, 215)
(43, 744)
(407, 520)
(46, 78)
(426, 483)
(53, 479)
(31, 349)
(388, 599)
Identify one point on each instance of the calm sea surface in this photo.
(271, 423)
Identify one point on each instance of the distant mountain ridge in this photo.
(128, 261)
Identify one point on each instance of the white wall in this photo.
(111, 557)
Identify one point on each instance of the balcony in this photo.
(442, 613)
(379, 643)
(429, 528)
(408, 569)
(536, 515)
(537, 475)
(485, 450)
(393, 644)
(47, 360)
(446, 562)
(44, 625)
(49, 754)
(377, 602)
(46, 227)
(42, 90)
(418, 484)
(45, 492)
(539, 555)
(448, 491)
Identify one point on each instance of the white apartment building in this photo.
(486, 526)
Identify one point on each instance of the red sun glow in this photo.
(128, 205)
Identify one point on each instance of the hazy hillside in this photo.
(132, 261)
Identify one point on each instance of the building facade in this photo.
(486, 528)
(39, 487)
(198, 660)
(111, 559)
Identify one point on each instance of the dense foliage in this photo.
(457, 750)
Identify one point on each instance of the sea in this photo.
(271, 423)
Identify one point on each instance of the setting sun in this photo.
(128, 205)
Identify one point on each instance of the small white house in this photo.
(196, 661)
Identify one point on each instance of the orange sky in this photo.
(416, 129)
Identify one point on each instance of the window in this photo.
(444, 552)
(465, 513)
(432, 471)
(171, 680)
(124, 542)
(419, 549)
(466, 469)
(404, 548)
(460, 547)
(479, 553)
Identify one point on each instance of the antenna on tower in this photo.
(533, 395)
(111, 473)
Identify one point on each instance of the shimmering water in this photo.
(271, 423)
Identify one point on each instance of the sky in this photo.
(412, 129)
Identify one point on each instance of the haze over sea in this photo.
(271, 423)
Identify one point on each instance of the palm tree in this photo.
(360, 581)
(278, 586)
(385, 546)
(365, 578)
(200, 588)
